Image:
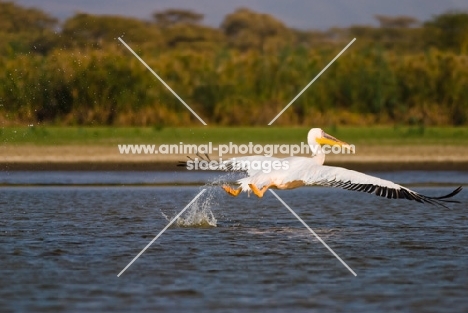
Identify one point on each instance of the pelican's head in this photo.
(318, 136)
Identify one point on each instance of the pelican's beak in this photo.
(332, 141)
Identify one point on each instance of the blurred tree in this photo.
(25, 29)
(246, 29)
(193, 37)
(173, 17)
(448, 31)
(401, 21)
(401, 33)
(388, 38)
(182, 29)
(311, 38)
(15, 19)
(240, 73)
(93, 30)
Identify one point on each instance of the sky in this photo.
(302, 14)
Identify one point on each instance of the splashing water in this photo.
(200, 215)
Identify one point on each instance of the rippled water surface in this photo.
(61, 247)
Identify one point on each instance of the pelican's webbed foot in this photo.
(230, 191)
(259, 192)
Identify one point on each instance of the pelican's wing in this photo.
(248, 164)
(352, 180)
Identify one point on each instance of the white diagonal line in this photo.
(161, 232)
(311, 82)
(162, 81)
(310, 229)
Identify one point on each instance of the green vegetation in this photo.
(242, 73)
(111, 136)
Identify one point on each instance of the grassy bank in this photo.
(109, 136)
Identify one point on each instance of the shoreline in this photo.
(171, 166)
(107, 158)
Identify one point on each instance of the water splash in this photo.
(200, 214)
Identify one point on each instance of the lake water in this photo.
(64, 237)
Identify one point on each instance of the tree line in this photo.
(76, 72)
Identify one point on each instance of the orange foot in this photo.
(230, 191)
(259, 192)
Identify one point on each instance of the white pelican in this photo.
(311, 171)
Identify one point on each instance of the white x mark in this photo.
(162, 81)
(310, 229)
(311, 82)
(161, 232)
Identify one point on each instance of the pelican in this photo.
(303, 171)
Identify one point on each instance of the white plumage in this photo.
(311, 171)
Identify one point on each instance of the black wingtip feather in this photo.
(442, 199)
(184, 163)
(453, 193)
